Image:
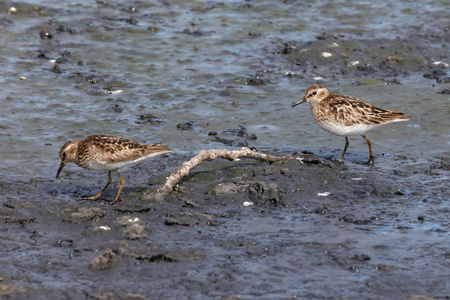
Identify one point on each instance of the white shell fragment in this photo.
(323, 194)
(357, 178)
(354, 63)
(440, 63)
(114, 92)
(326, 54)
(104, 227)
(133, 220)
(248, 203)
(300, 159)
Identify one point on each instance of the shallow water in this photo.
(201, 61)
(199, 77)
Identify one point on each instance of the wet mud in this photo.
(303, 228)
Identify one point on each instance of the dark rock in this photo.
(252, 137)
(45, 35)
(255, 81)
(439, 73)
(197, 32)
(235, 143)
(326, 36)
(62, 60)
(393, 81)
(362, 257)
(430, 76)
(441, 165)
(367, 69)
(63, 28)
(132, 21)
(445, 91)
(186, 125)
(91, 79)
(156, 258)
(287, 49)
(264, 192)
(322, 210)
(240, 132)
(104, 261)
(182, 221)
(149, 119)
(443, 80)
(117, 108)
(56, 69)
(43, 55)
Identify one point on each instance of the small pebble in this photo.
(323, 194)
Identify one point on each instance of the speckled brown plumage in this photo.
(346, 115)
(112, 153)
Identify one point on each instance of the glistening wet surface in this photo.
(207, 75)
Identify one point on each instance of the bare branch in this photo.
(208, 155)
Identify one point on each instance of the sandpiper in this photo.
(111, 153)
(346, 115)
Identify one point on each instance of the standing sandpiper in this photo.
(111, 153)
(345, 115)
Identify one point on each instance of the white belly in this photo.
(342, 130)
(98, 165)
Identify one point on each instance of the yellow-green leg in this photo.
(101, 192)
(345, 150)
(122, 182)
(370, 162)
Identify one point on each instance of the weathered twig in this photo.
(208, 155)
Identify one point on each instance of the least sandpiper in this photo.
(345, 115)
(111, 153)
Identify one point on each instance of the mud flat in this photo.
(207, 75)
(301, 228)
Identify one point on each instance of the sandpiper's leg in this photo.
(101, 192)
(122, 182)
(345, 149)
(370, 162)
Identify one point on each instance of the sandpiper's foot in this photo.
(370, 162)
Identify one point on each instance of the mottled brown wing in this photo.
(116, 149)
(352, 111)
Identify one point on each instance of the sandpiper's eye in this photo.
(63, 155)
(314, 93)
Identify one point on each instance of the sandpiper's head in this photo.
(68, 154)
(314, 94)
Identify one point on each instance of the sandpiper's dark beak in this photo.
(61, 166)
(299, 102)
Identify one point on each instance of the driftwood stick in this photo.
(208, 155)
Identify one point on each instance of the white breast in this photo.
(98, 165)
(343, 130)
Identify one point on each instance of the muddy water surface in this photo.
(200, 75)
